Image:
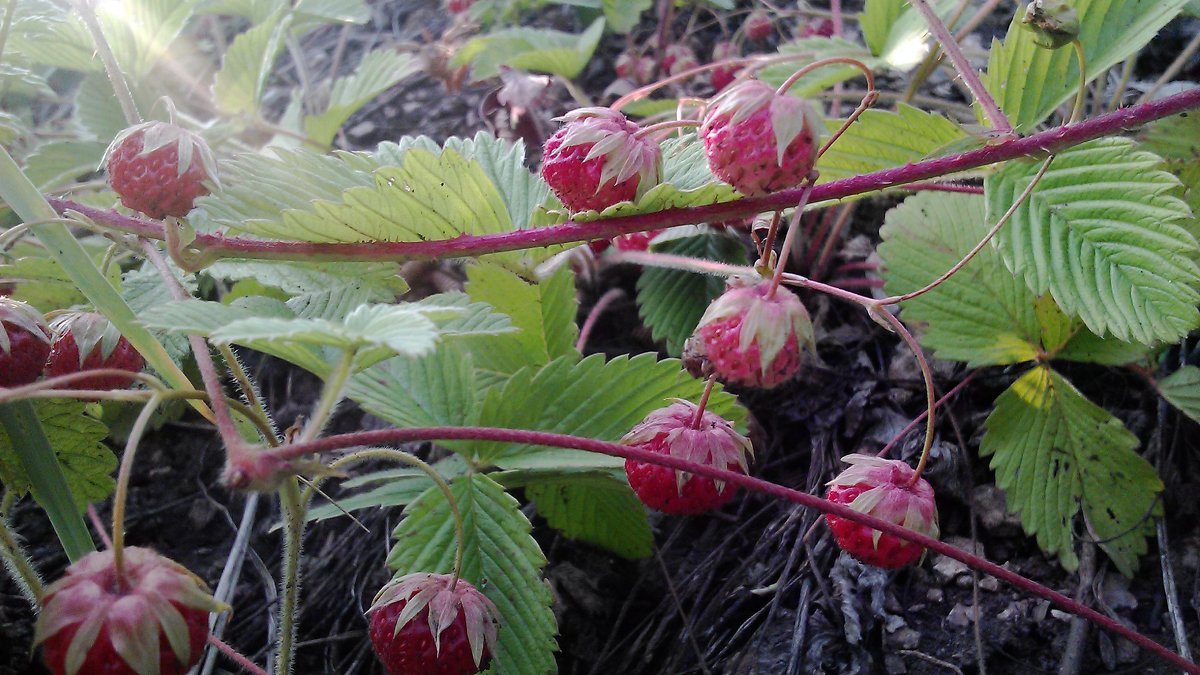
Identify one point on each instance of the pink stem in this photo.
(98, 525)
(945, 187)
(924, 413)
(395, 436)
(835, 8)
(588, 324)
(1053, 140)
(246, 664)
(854, 282)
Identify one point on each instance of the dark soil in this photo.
(742, 591)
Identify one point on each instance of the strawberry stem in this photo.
(790, 238)
(662, 126)
(233, 655)
(831, 61)
(917, 420)
(768, 244)
(122, 491)
(610, 296)
(699, 414)
(758, 485)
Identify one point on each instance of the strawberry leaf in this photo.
(78, 441)
(896, 33)
(1103, 233)
(378, 71)
(534, 49)
(1029, 82)
(438, 389)
(1175, 140)
(882, 139)
(594, 507)
(670, 302)
(1054, 452)
(501, 559)
(248, 62)
(1182, 390)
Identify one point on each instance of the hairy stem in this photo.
(955, 53)
(28, 581)
(122, 491)
(119, 84)
(392, 436)
(233, 655)
(330, 395)
(289, 577)
(1053, 140)
(699, 414)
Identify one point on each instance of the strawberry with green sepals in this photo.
(150, 620)
(24, 343)
(597, 159)
(759, 140)
(751, 336)
(159, 169)
(432, 624)
(683, 431)
(887, 489)
(87, 341)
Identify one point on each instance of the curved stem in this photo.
(867, 101)
(708, 388)
(790, 238)
(460, 535)
(663, 126)
(927, 375)
(917, 420)
(233, 655)
(1039, 144)
(119, 84)
(831, 61)
(610, 296)
(53, 383)
(122, 491)
(732, 477)
(28, 581)
(1081, 95)
(955, 53)
(978, 247)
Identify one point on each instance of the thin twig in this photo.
(1172, 70)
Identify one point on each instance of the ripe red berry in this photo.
(883, 488)
(760, 141)
(87, 341)
(458, 6)
(723, 76)
(627, 65)
(749, 339)
(423, 624)
(596, 160)
(24, 343)
(153, 621)
(816, 28)
(679, 58)
(159, 169)
(670, 431)
(758, 25)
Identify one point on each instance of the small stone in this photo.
(1040, 610)
(989, 584)
(1060, 615)
(361, 130)
(961, 616)
(934, 595)
(947, 569)
(905, 638)
(894, 664)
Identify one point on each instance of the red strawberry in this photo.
(627, 64)
(816, 28)
(679, 58)
(723, 76)
(669, 431)
(24, 343)
(421, 624)
(760, 141)
(87, 341)
(882, 488)
(458, 6)
(595, 160)
(154, 621)
(159, 169)
(749, 339)
(758, 25)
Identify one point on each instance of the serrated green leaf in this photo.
(393, 487)
(501, 559)
(18, 81)
(1054, 452)
(1177, 140)
(624, 15)
(378, 71)
(671, 302)
(504, 163)
(1103, 234)
(239, 84)
(97, 110)
(533, 49)
(296, 278)
(810, 50)
(143, 289)
(543, 312)
(597, 508)
(1182, 390)
(983, 314)
(141, 32)
(77, 440)
(434, 390)
(60, 163)
(1029, 82)
(898, 34)
(52, 37)
(591, 398)
(883, 139)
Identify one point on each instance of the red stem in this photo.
(945, 187)
(246, 664)
(1050, 141)
(924, 413)
(396, 436)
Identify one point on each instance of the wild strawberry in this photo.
(758, 25)
(670, 431)
(679, 58)
(24, 343)
(627, 64)
(723, 76)
(596, 160)
(458, 6)
(159, 169)
(883, 488)
(421, 624)
(87, 341)
(752, 340)
(816, 28)
(758, 140)
(151, 621)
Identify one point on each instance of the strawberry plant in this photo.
(247, 225)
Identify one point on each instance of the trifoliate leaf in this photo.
(1054, 452)
(1029, 82)
(1103, 233)
(1182, 390)
(594, 507)
(501, 559)
(671, 302)
(77, 439)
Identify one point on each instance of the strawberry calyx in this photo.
(614, 142)
(790, 116)
(886, 489)
(190, 147)
(23, 316)
(89, 330)
(712, 442)
(150, 604)
(766, 321)
(441, 599)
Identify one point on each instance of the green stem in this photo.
(18, 564)
(122, 492)
(330, 396)
(289, 582)
(47, 481)
(1077, 110)
(116, 77)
